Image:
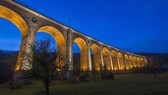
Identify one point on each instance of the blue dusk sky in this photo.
(130, 25)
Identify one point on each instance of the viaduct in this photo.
(30, 23)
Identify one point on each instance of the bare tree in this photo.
(44, 62)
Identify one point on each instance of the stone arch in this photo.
(97, 57)
(142, 62)
(131, 62)
(84, 65)
(114, 60)
(106, 59)
(135, 61)
(121, 61)
(16, 19)
(127, 64)
(57, 35)
(138, 62)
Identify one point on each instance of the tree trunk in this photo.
(47, 89)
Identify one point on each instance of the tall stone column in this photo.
(90, 71)
(25, 53)
(102, 61)
(111, 61)
(125, 63)
(21, 53)
(89, 57)
(28, 54)
(69, 59)
(137, 62)
(118, 62)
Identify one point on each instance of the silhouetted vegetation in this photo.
(44, 62)
(157, 58)
(123, 84)
(7, 64)
(8, 61)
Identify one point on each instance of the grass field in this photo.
(125, 84)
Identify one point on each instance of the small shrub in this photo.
(107, 75)
(111, 75)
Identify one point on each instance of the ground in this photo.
(125, 84)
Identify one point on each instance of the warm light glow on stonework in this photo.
(127, 61)
(115, 69)
(121, 61)
(16, 19)
(106, 58)
(57, 35)
(84, 63)
(97, 56)
(135, 61)
(114, 60)
(142, 62)
(131, 61)
(98, 69)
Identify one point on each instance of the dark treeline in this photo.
(157, 58)
(7, 64)
(8, 61)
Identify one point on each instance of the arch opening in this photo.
(106, 59)
(9, 47)
(114, 60)
(127, 61)
(17, 20)
(76, 58)
(131, 62)
(97, 65)
(135, 61)
(142, 62)
(57, 35)
(139, 62)
(58, 40)
(121, 61)
(84, 62)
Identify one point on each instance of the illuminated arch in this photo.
(97, 57)
(57, 35)
(131, 62)
(142, 62)
(16, 19)
(139, 62)
(84, 65)
(135, 61)
(114, 60)
(127, 61)
(106, 59)
(121, 61)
